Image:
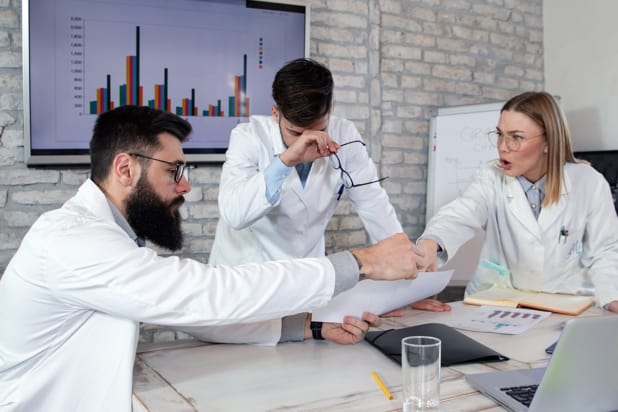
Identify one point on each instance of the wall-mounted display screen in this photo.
(209, 61)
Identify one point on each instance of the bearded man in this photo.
(73, 295)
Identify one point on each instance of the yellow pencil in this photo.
(387, 393)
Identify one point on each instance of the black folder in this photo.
(457, 348)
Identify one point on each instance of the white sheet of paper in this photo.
(381, 296)
(495, 319)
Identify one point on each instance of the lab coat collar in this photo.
(552, 212)
(517, 204)
(90, 195)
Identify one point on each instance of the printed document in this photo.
(381, 296)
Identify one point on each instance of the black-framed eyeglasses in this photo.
(179, 166)
(335, 161)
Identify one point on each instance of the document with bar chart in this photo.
(508, 321)
(209, 61)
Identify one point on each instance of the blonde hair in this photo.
(543, 109)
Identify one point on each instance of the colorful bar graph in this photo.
(131, 92)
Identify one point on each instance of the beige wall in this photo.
(581, 66)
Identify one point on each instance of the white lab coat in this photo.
(72, 297)
(250, 229)
(539, 259)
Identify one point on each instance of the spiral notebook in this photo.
(457, 348)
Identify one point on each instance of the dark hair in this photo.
(545, 111)
(303, 91)
(130, 129)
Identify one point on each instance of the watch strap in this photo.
(316, 330)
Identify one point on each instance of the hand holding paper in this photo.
(379, 297)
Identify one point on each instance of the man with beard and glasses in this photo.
(275, 205)
(73, 295)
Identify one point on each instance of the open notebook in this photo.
(582, 374)
(551, 302)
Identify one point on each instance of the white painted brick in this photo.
(406, 111)
(397, 22)
(340, 65)
(468, 89)
(340, 20)
(3, 197)
(203, 210)
(9, 156)
(10, 59)
(210, 228)
(16, 36)
(46, 197)
(20, 219)
(10, 101)
(330, 33)
(392, 157)
(432, 56)
(74, 177)
(11, 81)
(436, 29)
(349, 6)
(18, 177)
(419, 13)
(390, 6)
(350, 222)
(402, 52)
(351, 80)
(438, 85)
(9, 18)
(5, 39)
(417, 127)
(393, 95)
(192, 229)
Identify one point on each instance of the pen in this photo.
(564, 233)
(387, 393)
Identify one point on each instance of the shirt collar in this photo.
(527, 185)
(122, 222)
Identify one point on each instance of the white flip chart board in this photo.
(459, 146)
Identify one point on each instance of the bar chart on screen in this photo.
(209, 61)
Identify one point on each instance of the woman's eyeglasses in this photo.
(512, 142)
(335, 161)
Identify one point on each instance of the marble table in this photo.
(317, 376)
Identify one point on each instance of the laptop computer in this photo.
(582, 374)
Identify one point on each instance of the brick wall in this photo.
(394, 61)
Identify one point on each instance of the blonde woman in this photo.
(547, 219)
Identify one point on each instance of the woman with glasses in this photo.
(279, 189)
(548, 220)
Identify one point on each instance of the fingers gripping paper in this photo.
(381, 296)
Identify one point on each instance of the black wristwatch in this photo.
(316, 330)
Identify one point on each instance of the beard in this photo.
(154, 219)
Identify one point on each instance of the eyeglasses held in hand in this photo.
(335, 161)
(179, 166)
(512, 142)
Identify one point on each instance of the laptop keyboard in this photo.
(522, 394)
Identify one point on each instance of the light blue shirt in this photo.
(535, 193)
(274, 175)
